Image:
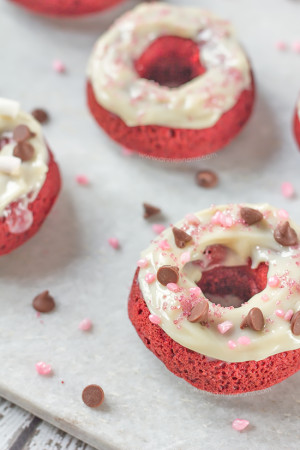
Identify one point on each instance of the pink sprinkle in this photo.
(154, 319)
(287, 189)
(225, 326)
(240, 424)
(288, 315)
(279, 313)
(244, 340)
(195, 291)
(265, 298)
(114, 243)
(58, 66)
(185, 257)
(82, 180)
(173, 287)
(142, 263)
(273, 281)
(283, 214)
(158, 228)
(43, 368)
(296, 46)
(127, 152)
(150, 277)
(282, 46)
(164, 245)
(192, 219)
(231, 345)
(222, 219)
(85, 325)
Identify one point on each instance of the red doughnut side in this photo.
(40, 209)
(297, 127)
(170, 143)
(215, 376)
(67, 7)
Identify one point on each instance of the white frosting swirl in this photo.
(255, 242)
(195, 105)
(20, 181)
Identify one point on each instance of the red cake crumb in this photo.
(218, 377)
(40, 208)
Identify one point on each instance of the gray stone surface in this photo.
(146, 407)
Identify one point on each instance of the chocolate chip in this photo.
(43, 302)
(206, 178)
(181, 237)
(168, 274)
(254, 320)
(93, 395)
(285, 235)
(251, 216)
(40, 115)
(24, 151)
(295, 324)
(199, 313)
(22, 133)
(150, 210)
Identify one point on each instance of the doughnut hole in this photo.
(233, 286)
(170, 61)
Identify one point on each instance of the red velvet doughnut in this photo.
(40, 208)
(214, 376)
(66, 7)
(297, 127)
(170, 143)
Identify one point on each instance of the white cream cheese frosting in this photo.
(197, 104)
(20, 181)
(278, 302)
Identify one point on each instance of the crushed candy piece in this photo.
(82, 180)
(114, 243)
(58, 66)
(43, 369)
(225, 326)
(85, 325)
(158, 228)
(240, 424)
(154, 319)
(287, 189)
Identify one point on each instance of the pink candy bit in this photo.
(82, 180)
(240, 424)
(43, 368)
(195, 291)
(244, 340)
(231, 345)
(58, 66)
(154, 319)
(287, 189)
(279, 313)
(185, 257)
(283, 214)
(158, 228)
(164, 245)
(192, 219)
(225, 326)
(288, 315)
(225, 220)
(173, 287)
(85, 325)
(282, 46)
(296, 46)
(142, 263)
(150, 278)
(114, 243)
(127, 151)
(265, 298)
(273, 281)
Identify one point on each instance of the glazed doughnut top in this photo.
(172, 267)
(23, 156)
(196, 104)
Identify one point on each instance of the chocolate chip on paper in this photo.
(150, 210)
(93, 395)
(43, 302)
